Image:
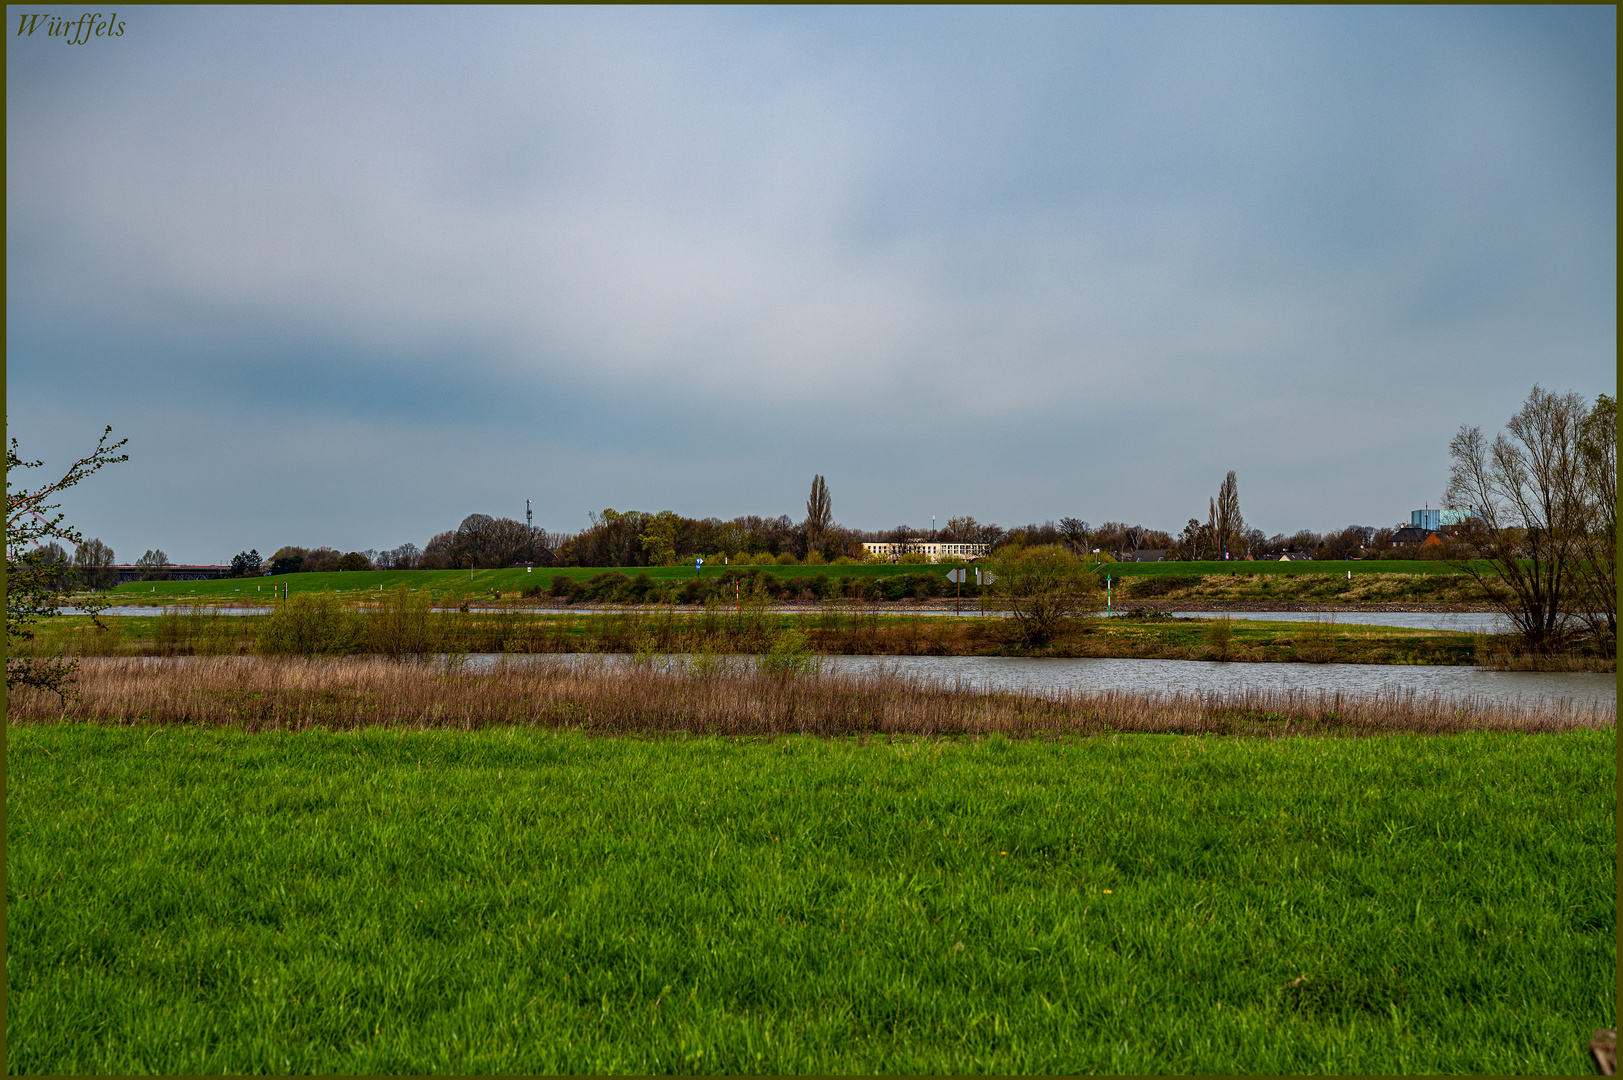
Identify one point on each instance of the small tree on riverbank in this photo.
(35, 584)
(1544, 519)
(1045, 587)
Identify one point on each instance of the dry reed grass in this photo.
(266, 694)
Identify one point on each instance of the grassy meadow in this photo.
(191, 900)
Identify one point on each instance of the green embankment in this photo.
(479, 582)
(203, 632)
(524, 901)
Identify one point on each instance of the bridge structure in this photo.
(170, 572)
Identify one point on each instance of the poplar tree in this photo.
(819, 514)
(1226, 526)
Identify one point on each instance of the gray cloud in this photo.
(1015, 264)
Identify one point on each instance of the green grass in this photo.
(1290, 569)
(529, 901)
(453, 583)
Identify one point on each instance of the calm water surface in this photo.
(1470, 622)
(1186, 676)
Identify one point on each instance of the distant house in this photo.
(934, 551)
(1145, 555)
(1412, 536)
(1296, 555)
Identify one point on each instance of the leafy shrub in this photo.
(791, 654)
(354, 561)
(923, 586)
(640, 588)
(607, 588)
(311, 624)
(403, 626)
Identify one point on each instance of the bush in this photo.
(403, 626)
(790, 655)
(606, 588)
(923, 586)
(641, 587)
(354, 561)
(311, 624)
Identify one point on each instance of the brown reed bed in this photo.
(671, 697)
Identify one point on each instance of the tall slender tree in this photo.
(1225, 522)
(819, 514)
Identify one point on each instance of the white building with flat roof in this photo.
(933, 550)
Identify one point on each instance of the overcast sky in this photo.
(346, 276)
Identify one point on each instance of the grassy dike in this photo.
(188, 901)
(1372, 581)
(836, 632)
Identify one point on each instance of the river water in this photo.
(1470, 622)
(1173, 676)
(1049, 676)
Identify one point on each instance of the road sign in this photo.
(957, 575)
(697, 562)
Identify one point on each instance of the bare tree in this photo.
(94, 562)
(1194, 544)
(1530, 519)
(1597, 570)
(1076, 534)
(819, 514)
(154, 566)
(905, 539)
(403, 557)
